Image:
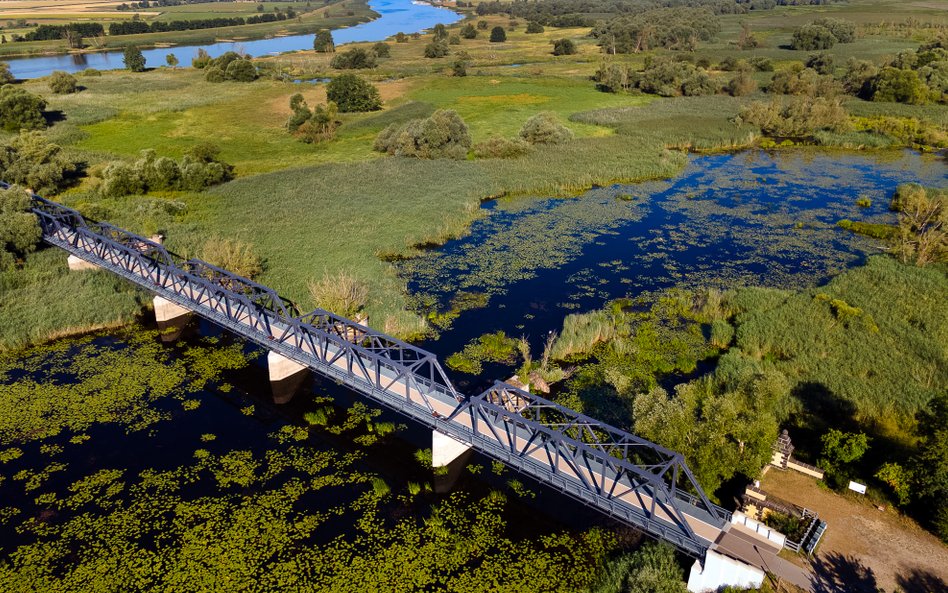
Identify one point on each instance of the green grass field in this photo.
(294, 201)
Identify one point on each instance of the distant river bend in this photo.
(406, 16)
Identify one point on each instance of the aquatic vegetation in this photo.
(869, 229)
(494, 347)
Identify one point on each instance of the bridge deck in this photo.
(628, 478)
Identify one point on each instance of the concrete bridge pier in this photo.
(286, 377)
(172, 318)
(77, 264)
(449, 458)
(717, 571)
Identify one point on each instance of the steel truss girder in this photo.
(597, 464)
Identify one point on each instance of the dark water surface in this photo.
(406, 16)
(745, 218)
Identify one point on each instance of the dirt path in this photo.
(865, 549)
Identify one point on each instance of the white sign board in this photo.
(857, 487)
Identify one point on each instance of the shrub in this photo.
(798, 80)
(822, 63)
(6, 77)
(843, 31)
(798, 117)
(354, 59)
(498, 35)
(437, 49)
(197, 170)
(901, 86)
(323, 42)
(214, 74)
(669, 78)
(616, 78)
(201, 60)
(439, 32)
(20, 109)
(454, 40)
(133, 59)
(232, 255)
(351, 94)
(564, 47)
(382, 50)
(459, 67)
(401, 37)
(762, 64)
(172, 61)
(30, 160)
(859, 73)
(443, 135)
(813, 37)
(731, 64)
(923, 224)
(19, 228)
(742, 84)
(340, 293)
(501, 148)
(90, 72)
(534, 27)
(482, 25)
(318, 125)
(543, 128)
(62, 83)
(241, 71)
(468, 31)
(670, 28)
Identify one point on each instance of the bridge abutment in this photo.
(717, 571)
(448, 458)
(166, 311)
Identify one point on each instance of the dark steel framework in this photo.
(628, 478)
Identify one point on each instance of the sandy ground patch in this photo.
(864, 548)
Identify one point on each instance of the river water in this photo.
(406, 16)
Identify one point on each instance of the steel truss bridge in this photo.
(628, 478)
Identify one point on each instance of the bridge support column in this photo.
(717, 571)
(448, 458)
(286, 377)
(77, 264)
(166, 311)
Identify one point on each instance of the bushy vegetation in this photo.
(564, 47)
(354, 59)
(233, 255)
(323, 42)
(501, 148)
(229, 66)
(351, 94)
(496, 347)
(197, 170)
(498, 35)
(796, 117)
(442, 135)
(62, 83)
(543, 128)
(6, 77)
(660, 76)
(19, 228)
(802, 80)
(669, 28)
(823, 34)
(340, 293)
(437, 49)
(922, 236)
(32, 161)
(313, 125)
(20, 109)
(133, 59)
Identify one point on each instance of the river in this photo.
(406, 16)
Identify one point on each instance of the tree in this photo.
(813, 37)
(443, 135)
(930, 464)
(323, 42)
(382, 50)
(437, 49)
(843, 448)
(171, 60)
(652, 568)
(822, 63)
(6, 77)
(440, 32)
(498, 35)
(798, 117)
(901, 86)
(543, 128)
(534, 27)
(354, 59)
(201, 60)
(468, 31)
(133, 59)
(922, 236)
(62, 83)
(241, 71)
(459, 67)
(31, 160)
(19, 228)
(564, 47)
(843, 31)
(352, 93)
(20, 109)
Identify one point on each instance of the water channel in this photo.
(406, 16)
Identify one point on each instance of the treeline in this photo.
(53, 32)
(665, 27)
(136, 27)
(162, 3)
